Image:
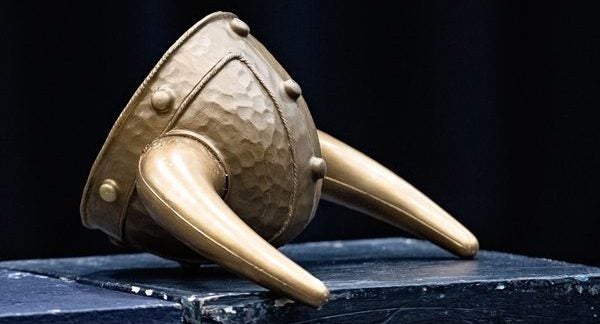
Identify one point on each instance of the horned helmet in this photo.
(217, 157)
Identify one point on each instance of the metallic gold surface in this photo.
(182, 183)
(216, 156)
(356, 181)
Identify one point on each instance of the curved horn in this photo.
(358, 182)
(180, 181)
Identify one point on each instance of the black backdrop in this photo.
(488, 107)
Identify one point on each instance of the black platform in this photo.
(371, 281)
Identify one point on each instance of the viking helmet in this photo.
(216, 156)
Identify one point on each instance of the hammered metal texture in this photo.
(229, 89)
(245, 127)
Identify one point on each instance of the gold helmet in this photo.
(216, 156)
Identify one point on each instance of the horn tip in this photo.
(469, 247)
(319, 295)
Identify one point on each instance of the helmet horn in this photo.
(358, 182)
(181, 183)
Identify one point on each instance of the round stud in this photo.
(239, 27)
(161, 100)
(109, 190)
(318, 167)
(292, 89)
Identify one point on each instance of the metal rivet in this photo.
(318, 167)
(292, 89)
(239, 27)
(161, 100)
(109, 190)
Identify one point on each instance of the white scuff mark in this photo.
(191, 298)
(148, 292)
(500, 287)
(582, 278)
(442, 296)
(135, 289)
(17, 275)
(346, 295)
(282, 301)
(579, 288)
(338, 245)
(229, 310)
(55, 311)
(424, 289)
(568, 289)
(65, 279)
(164, 296)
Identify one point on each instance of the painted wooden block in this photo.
(371, 281)
(32, 298)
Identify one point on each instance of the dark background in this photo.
(490, 108)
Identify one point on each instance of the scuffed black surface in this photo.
(371, 281)
(32, 298)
